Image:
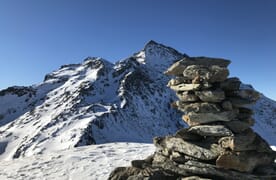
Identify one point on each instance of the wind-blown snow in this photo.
(87, 162)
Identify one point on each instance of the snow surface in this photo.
(93, 162)
(88, 162)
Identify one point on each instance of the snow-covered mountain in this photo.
(99, 102)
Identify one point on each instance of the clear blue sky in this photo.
(37, 36)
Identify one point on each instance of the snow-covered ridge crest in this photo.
(96, 102)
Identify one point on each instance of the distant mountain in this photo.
(99, 102)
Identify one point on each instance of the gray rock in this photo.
(210, 130)
(248, 94)
(122, 173)
(244, 161)
(198, 107)
(239, 102)
(239, 142)
(179, 80)
(237, 126)
(187, 96)
(199, 73)
(185, 87)
(181, 146)
(231, 84)
(178, 67)
(211, 95)
(186, 135)
(227, 105)
(191, 168)
(193, 119)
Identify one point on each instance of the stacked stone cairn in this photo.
(219, 142)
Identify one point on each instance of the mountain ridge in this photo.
(96, 102)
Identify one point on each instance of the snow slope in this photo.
(97, 102)
(87, 162)
(93, 162)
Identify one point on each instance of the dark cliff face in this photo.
(92, 102)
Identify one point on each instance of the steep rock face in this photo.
(99, 102)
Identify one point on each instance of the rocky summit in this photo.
(219, 142)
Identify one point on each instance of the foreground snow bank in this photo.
(89, 162)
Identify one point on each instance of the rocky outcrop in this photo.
(219, 142)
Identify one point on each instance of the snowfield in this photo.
(93, 162)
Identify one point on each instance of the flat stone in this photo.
(230, 84)
(210, 130)
(199, 73)
(211, 96)
(204, 118)
(185, 87)
(244, 161)
(187, 96)
(203, 169)
(182, 146)
(198, 107)
(178, 67)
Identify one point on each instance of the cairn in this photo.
(219, 142)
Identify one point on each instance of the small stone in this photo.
(204, 118)
(211, 96)
(231, 84)
(210, 130)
